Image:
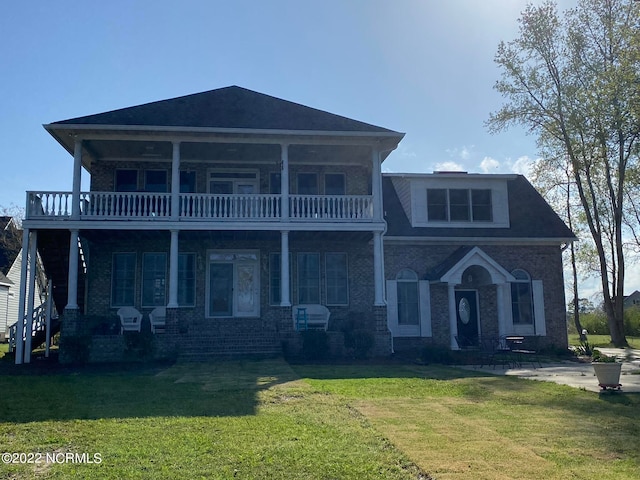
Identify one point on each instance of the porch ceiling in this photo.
(150, 150)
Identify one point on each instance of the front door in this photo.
(467, 317)
(221, 290)
(233, 284)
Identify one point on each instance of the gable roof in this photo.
(530, 217)
(4, 281)
(228, 108)
(452, 268)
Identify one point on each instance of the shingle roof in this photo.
(530, 217)
(230, 107)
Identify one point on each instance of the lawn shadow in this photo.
(218, 388)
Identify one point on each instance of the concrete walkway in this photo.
(580, 375)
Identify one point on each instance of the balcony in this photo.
(119, 206)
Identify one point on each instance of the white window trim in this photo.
(499, 201)
(290, 278)
(212, 171)
(166, 178)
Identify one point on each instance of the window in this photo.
(521, 299)
(337, 279)
(459, 205)
(123, 279)
(308, 278)
(155, 181)
(126, 181)
(154, 272)
(230, 182)
(187, 181)
(408, 303)
(187, 279)
(334, 184)
(275, 183)
(307, 184)
(437, 204)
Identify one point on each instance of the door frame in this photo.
(477, 298)
(232, 259)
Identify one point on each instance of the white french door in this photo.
(233, 284)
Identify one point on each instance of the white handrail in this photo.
(196, 206)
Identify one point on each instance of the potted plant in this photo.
(607, 370)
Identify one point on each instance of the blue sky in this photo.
(423, 67)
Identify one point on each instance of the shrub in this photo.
(315, 344)
(358, 334)
(75, 349)
(595, 323)
(437, 354)
(632, 322)
(139, 345)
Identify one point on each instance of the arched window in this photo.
(521, 298)
(408, 303)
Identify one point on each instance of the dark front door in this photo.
(467, 316)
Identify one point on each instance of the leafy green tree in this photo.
(573, 82)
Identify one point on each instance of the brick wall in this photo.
(541, 262)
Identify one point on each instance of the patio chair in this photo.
(130, 319)
(157, 318)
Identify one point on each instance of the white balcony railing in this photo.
(331, 207)
(200, 206)
(229, 207)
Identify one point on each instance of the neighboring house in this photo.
(632, 300)
(232, 207)
(10, 266)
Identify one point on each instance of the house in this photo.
(632, 300)
(232, 208)
(10, 268)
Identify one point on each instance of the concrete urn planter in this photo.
(608, 374)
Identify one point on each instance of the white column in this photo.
(376, 184)
(48, 313)
(77, 176)
(453, 323)
(33, 255)
(173, 270)
(378, 269)
(284, 182)
(72, 284)
(175, 181)
(285, 300)
(23, 296)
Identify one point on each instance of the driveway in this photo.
(580, 375)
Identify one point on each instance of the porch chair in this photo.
(157, 318)
(130, 319)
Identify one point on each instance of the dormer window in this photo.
(459, 205)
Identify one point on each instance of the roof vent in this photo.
(450, 172)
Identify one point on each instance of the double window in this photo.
(334, 184)
(154, 279)
(308, 278)
(459, 205)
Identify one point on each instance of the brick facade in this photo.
(541, 262)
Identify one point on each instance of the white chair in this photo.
(157, 318)
(310, 317)
(130, 319)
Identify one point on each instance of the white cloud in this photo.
(463, 153)
(488, 164)
(522, 166)
(448, 167)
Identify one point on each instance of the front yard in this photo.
(269, 419)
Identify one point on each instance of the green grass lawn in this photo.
(602, 340)
(270, 420)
